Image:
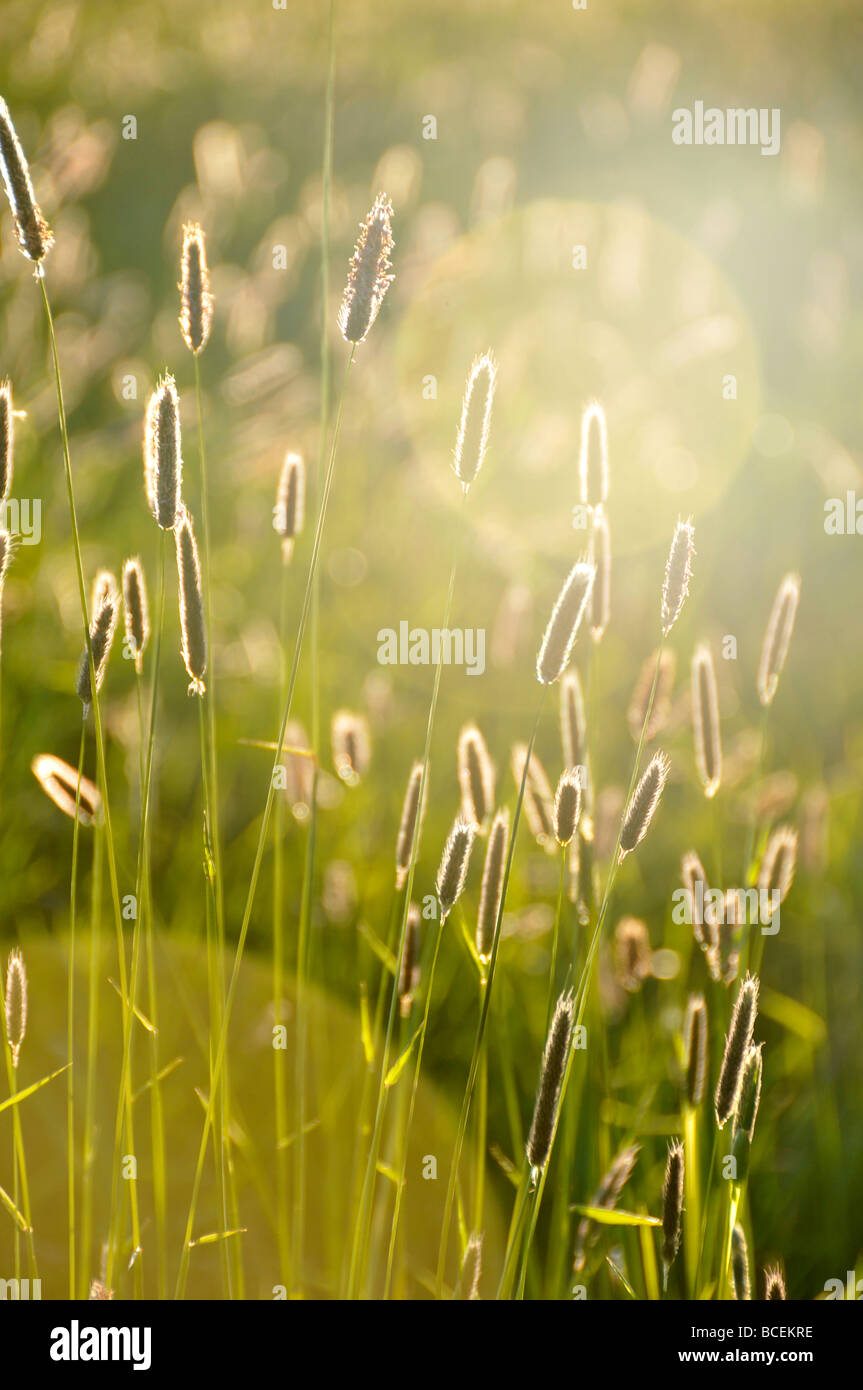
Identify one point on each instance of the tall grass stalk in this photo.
(724, 1279)
(303, 941)
(231, 1250)
(70, 1021)
(362, 1222)
(481, 1134)
(279, 1097)
(484, 1011)
(405, 1136)
(692, 1197)
(144, 890)
(215, 1002)
(301, 1021)
(88, 1146)
(182, 1274)
(103, 774)
(587, 973)
(364, 1122)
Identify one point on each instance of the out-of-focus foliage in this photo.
(553, 130)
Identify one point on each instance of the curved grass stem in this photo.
(587, 973)
(363, 1220)
(484, 1011)
(182, 1274)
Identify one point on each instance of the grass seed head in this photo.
(567, 805)
(475, 776)
(696, 886)
(705, 721)
(289, 511)
(103, 625)
(368, 275)
(695, 1045)
(15, 1003)
(559, 638)
(475, 422)
(777, 638)
(452, 873)
(35, 237)
(136, 610)
(593, 457)
(492, 883)
(409, 972)
(737, 1044)
(59, 781)
(538, 802)
(740, 1265)
(678, 573)
(672, 1204)
(410, 826)
(196, 301)
(643, 804)
(163, 457)
(573, 725)
(298, 764)
(352, 746)
(633, 957)
(774, 1282)
(192, 626)
(724, 923)
(746, 1111)
(606, 1196)
(776, 873)
(7, 439)
(554, 1060)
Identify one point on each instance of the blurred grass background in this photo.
(553, 129)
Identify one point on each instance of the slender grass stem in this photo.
(279, 1072)
(708, 1194)
(394, 1228)
(484, 1011)
(88, 1156)
(262, 838)
(363, 1220)
(722, 1283)
(103, 775)
(144, 891)
(70, 1026)
(504, 1290)
(587, 973)
(231, 1250)
(298, 1231)
(692, 1198)
(753, 814)
(303, 940)
(364, 1122)
(215, 1010)
(481, 1137)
